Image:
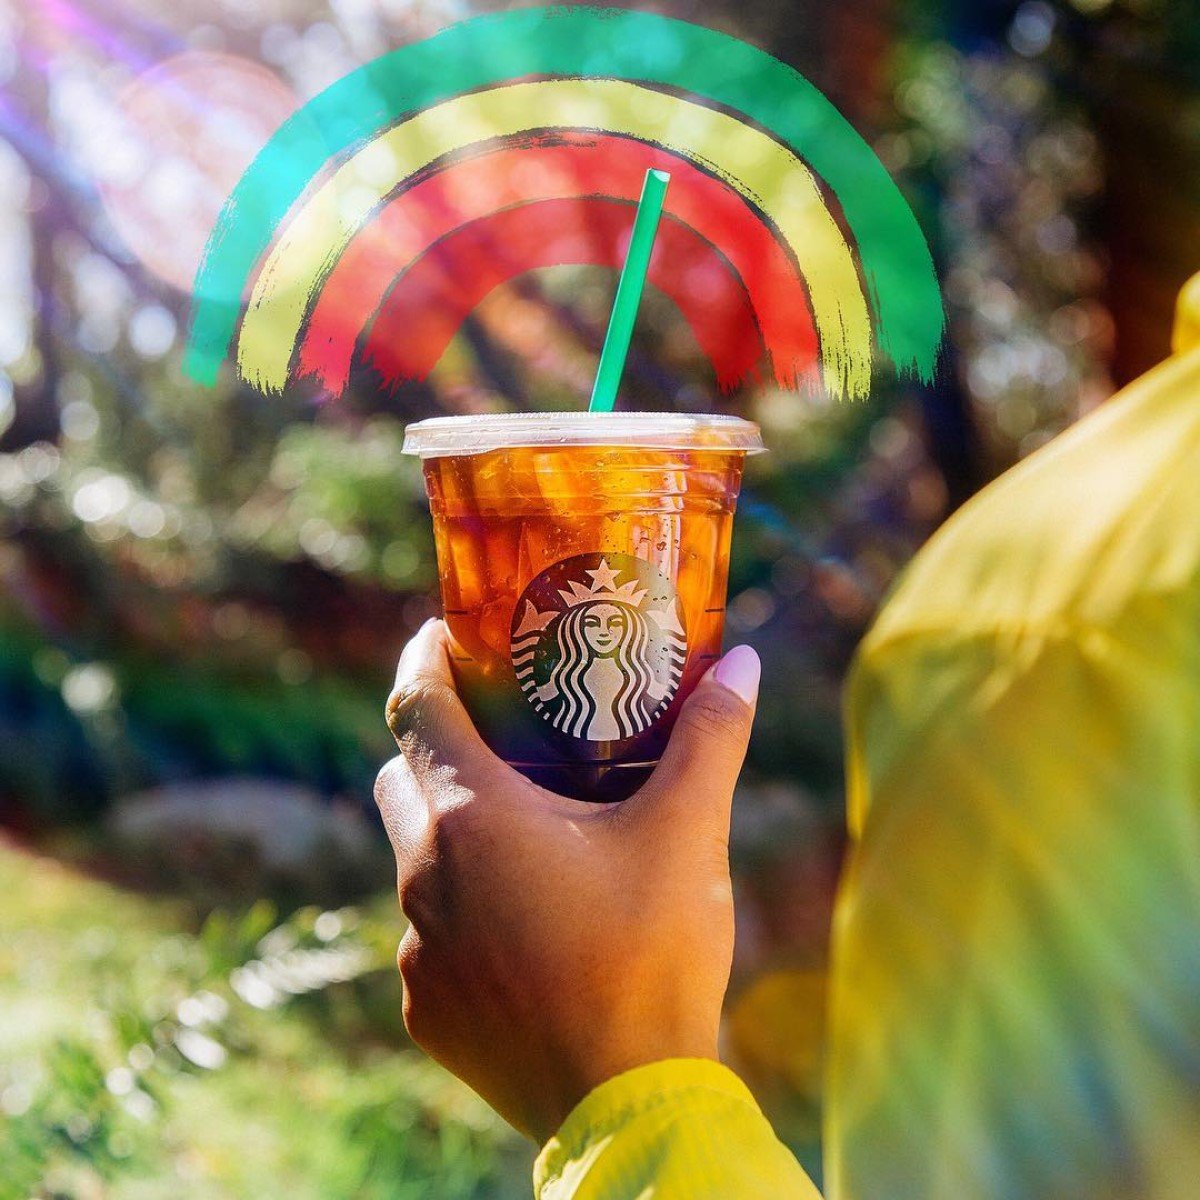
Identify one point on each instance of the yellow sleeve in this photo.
(685, 1129)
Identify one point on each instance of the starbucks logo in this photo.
(598, 645)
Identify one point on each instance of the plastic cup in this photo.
(584, 560)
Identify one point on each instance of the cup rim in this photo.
(448, 437)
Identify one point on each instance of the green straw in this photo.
(629, 292)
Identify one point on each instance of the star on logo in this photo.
(604, 578)
(604, 587)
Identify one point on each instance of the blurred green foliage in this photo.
(135, 1052)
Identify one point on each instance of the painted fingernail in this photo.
(740, 671)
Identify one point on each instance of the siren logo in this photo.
(598, 645)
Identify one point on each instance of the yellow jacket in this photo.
(1015, 997)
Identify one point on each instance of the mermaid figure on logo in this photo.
(598, 662)
(604, 677)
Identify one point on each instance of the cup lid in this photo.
(443, 437)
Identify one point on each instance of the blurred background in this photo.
(203, 593)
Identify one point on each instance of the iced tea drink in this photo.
(583, 561)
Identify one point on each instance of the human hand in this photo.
(553, 943)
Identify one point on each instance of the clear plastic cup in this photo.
(584, 559)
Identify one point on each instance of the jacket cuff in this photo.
(624, 1097)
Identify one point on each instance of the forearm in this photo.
(685, 1128)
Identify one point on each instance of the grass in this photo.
(248, 1056)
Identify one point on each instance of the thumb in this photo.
(704, 757)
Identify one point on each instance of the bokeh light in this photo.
(172, 144)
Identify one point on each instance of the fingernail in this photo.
(740, 672)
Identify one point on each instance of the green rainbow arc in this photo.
(898, 272)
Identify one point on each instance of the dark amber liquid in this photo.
(503, 517)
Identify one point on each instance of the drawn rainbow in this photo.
(381, 214)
